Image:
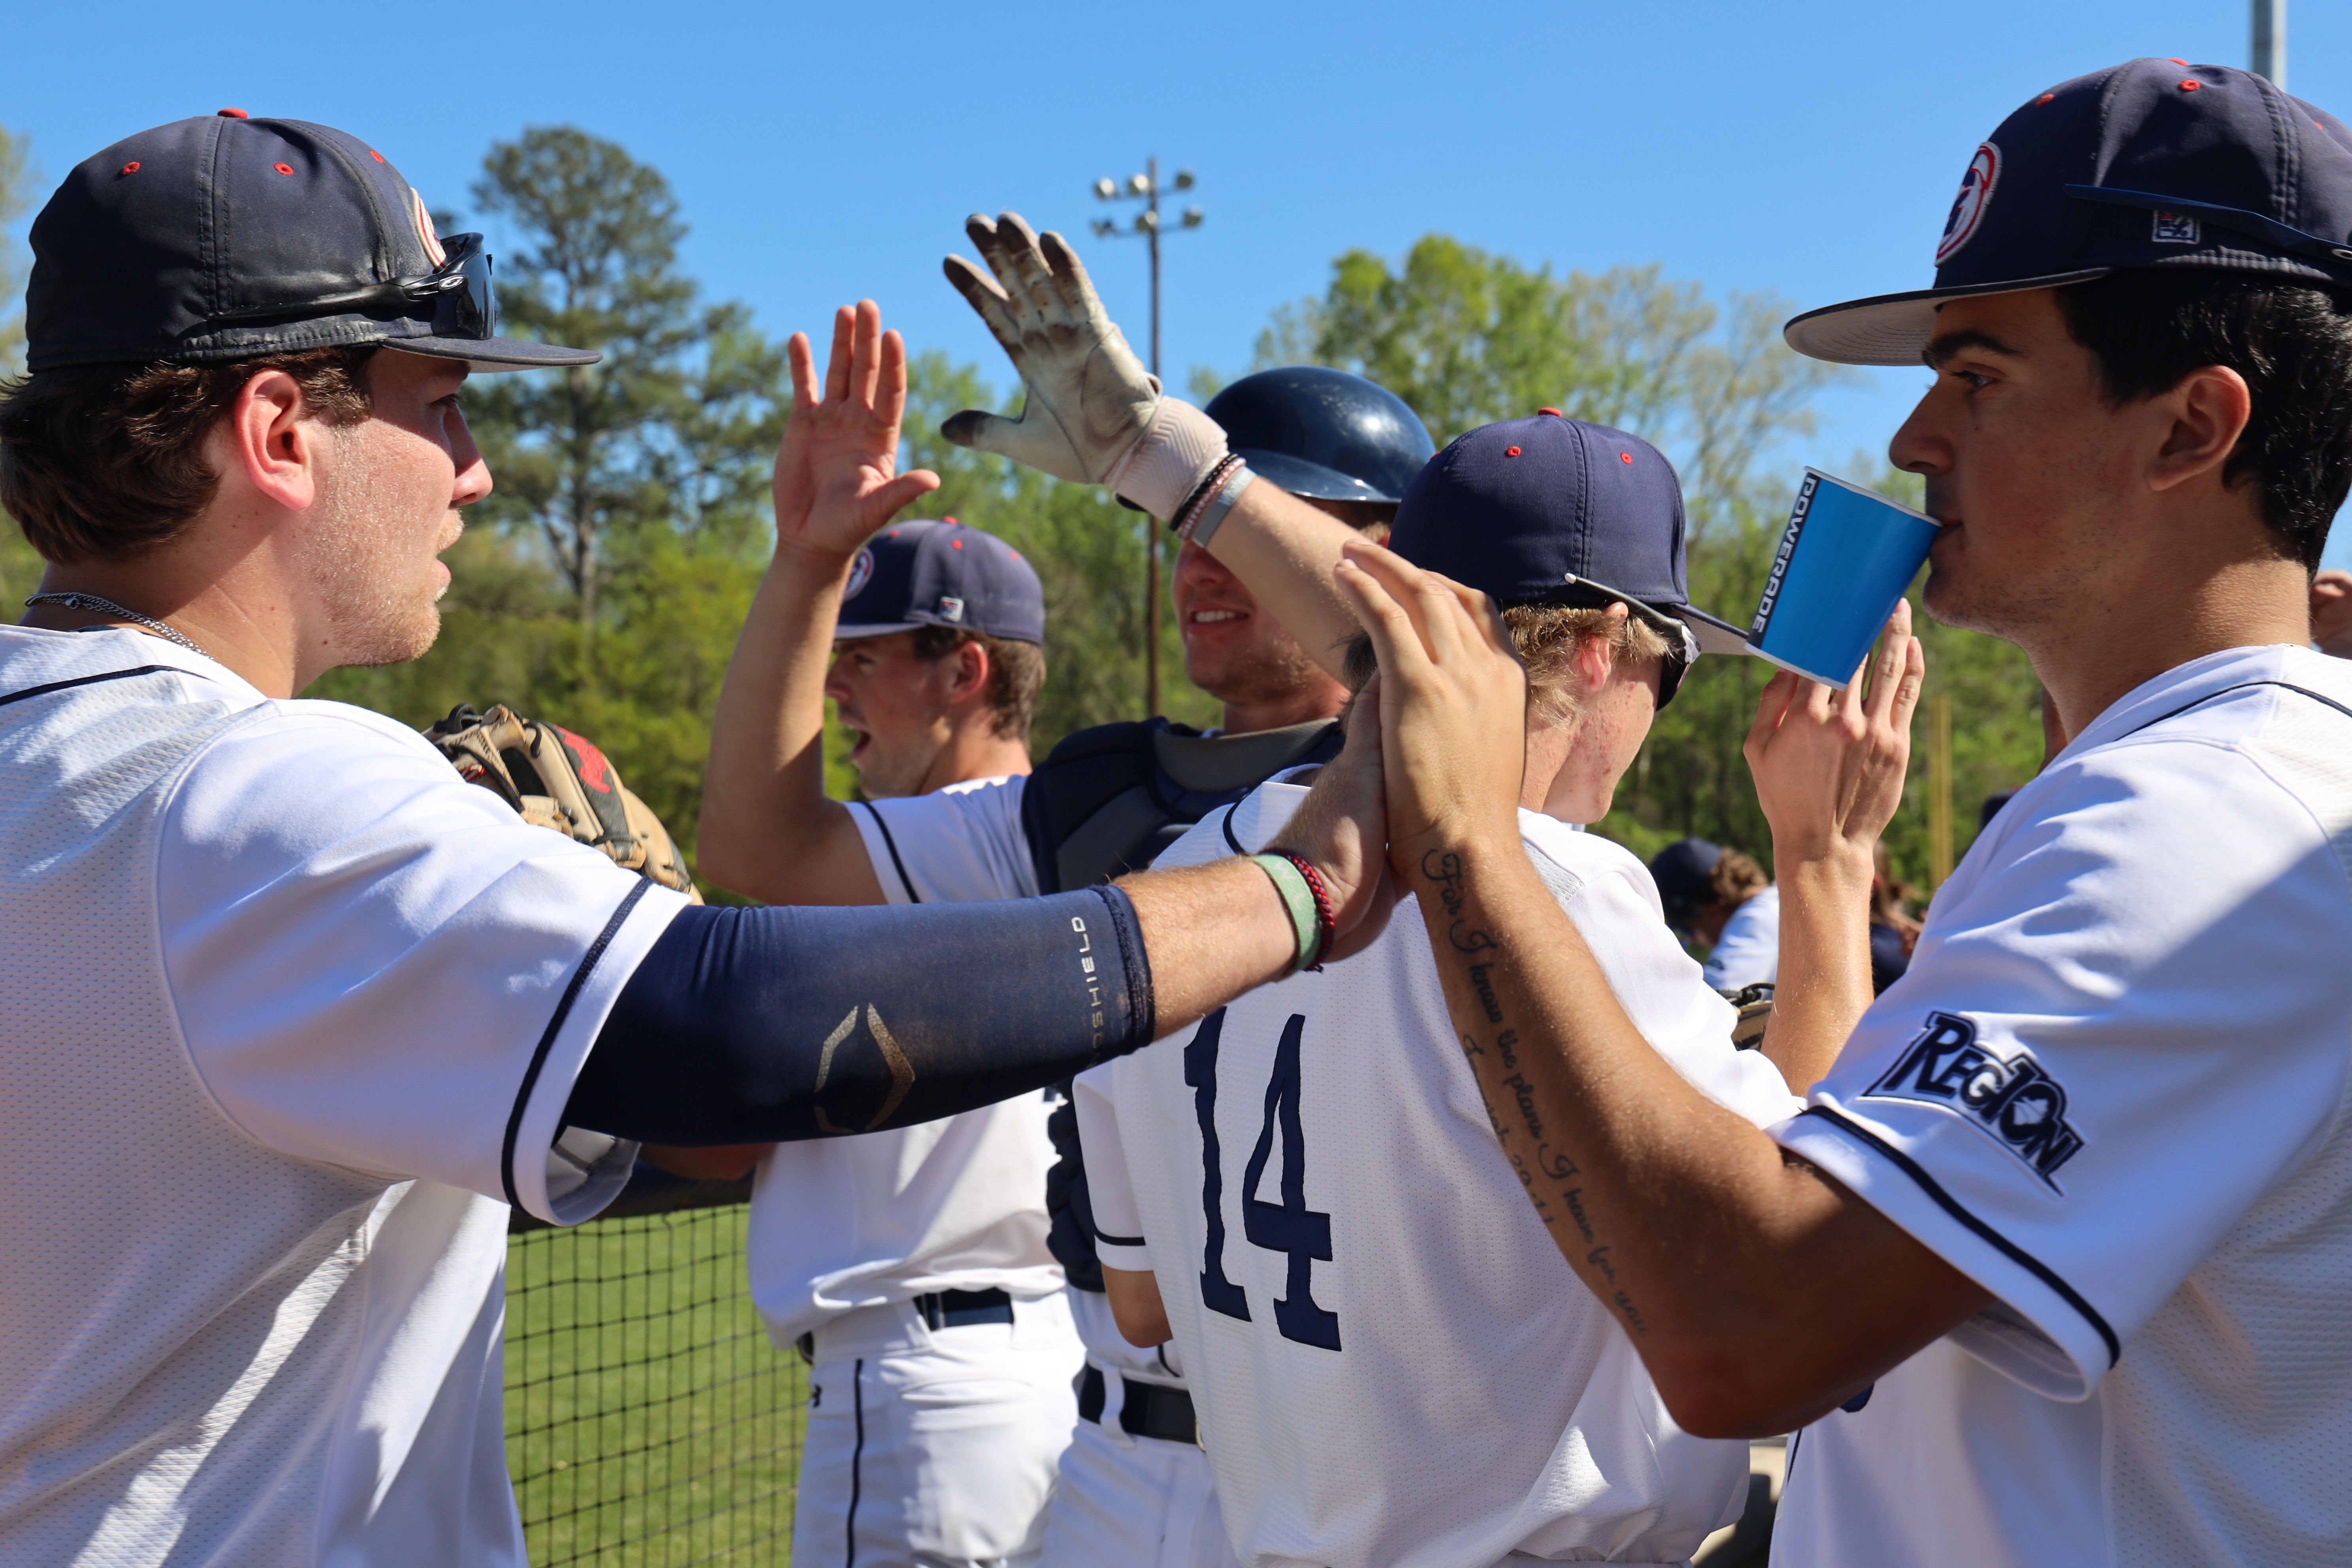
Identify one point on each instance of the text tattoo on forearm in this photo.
(1511, 1098)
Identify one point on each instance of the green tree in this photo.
(669, 435)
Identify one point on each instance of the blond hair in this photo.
(1551, 636)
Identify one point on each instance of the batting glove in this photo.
(1094, 414)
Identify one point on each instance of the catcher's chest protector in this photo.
(1107, 801)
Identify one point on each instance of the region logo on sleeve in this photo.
(1969, 206)
(2014, 1100)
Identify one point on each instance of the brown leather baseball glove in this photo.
(558, 780)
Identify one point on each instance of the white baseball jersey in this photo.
(958, 1203)
(290, 1010)
(2111, 1089)
(1750, 948)
(1393, 1365)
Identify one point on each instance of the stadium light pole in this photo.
(1145, 188)
(2270, 42)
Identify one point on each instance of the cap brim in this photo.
(1713, 636)
(1895, 328)
(492, 354)
(849, 629)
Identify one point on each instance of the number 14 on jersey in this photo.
(1289, 1227)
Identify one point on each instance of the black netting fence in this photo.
(649, 1422)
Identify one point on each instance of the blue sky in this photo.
(822, 152)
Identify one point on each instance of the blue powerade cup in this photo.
(1846, 558)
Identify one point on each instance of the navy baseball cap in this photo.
(942, 574)
(1552, 510)
(229, 238)
(2155, 163)
(1683, 872)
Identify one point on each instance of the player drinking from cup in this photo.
(2052, 1267)
(294, 1012)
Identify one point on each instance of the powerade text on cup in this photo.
(1844, 561)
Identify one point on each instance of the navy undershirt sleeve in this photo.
(757, 1026)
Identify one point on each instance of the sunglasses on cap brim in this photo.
(459, 292)
(1682, 643)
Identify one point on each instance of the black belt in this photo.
(963, 1308)
(1152, 1409)
(941, 1310)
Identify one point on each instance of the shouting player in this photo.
(295, 1013)
(957, 1209)
(2053, 1264)
(1307, 1196)
(910, 1267)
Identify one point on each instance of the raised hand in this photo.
(1094, 414)
(1829, 764)
(1452, 699)
(836, 472)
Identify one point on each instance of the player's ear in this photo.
(969, 668)
(268, 439)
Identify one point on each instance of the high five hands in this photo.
(837, 479)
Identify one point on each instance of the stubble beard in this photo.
(380, 602)
(1258, 676)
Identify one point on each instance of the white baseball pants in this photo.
(934, 1447)
(1125, 1501)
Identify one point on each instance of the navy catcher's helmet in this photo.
(1323, 434)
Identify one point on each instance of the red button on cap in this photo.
(1510, 451)
(2177, 62)
(2191, 85)
(1626, 457)
(132, 167)
(283, 168)
(1553, 412)
(232, 115)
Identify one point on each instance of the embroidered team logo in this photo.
(2015, 1102)
(424, 230)
(951, 607)
(2173, 228)
(861, 571)
(1969, 206)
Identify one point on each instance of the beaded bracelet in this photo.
(1188, 516)
(1326, 925)
(1213, 516)
(1298, 897)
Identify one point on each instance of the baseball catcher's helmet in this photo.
(1323, 434)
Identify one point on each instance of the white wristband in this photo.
(1213, 515)
(1168, 460)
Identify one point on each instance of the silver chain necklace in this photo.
(93, 603)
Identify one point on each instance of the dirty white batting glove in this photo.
(1094, 414)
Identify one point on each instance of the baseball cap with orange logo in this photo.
(228, 238)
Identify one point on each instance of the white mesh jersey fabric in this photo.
(1420, 1380)
(2164, 920)
(214, 1349)
(953, 1205)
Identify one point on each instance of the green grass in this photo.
(649, 1422)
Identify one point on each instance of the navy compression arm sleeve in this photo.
(757, 1026)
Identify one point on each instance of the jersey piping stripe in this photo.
(892, 845)
(856, 1458)
(1228, 826)
(32, 691)
(2242, 685)
(555, 1026)
(1951, 1206)
(1104, 1235)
